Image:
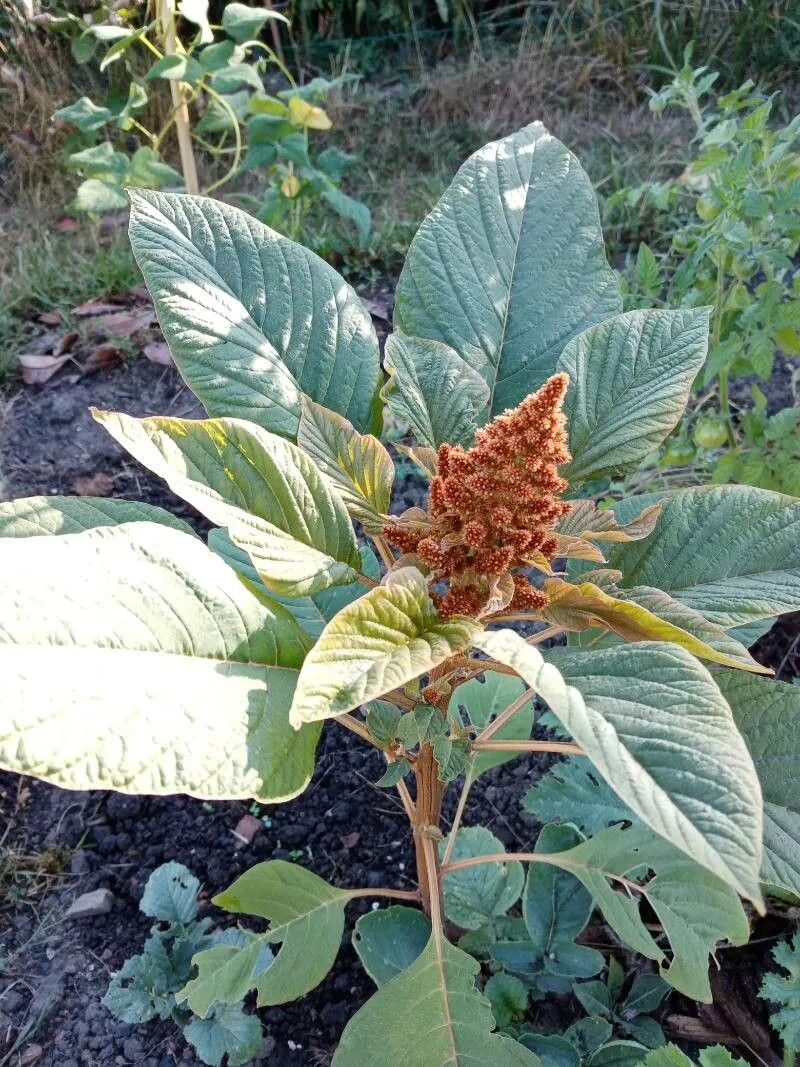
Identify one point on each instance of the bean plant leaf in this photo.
(170, 894)
(273, 500)
(573, 792)
(389, 940)
(434, 390)
(768, 715)
(380, 641)
(119, 643)
(581, 606)
(227, 1032)
(510, 265)
(253, 319)
(241, 22)
(695, 908)
(34, 516)
(654, 724)
(475, 895)
(555, 906)
(731, 552)
(312, 613)
(436, 1000)
(630, 381)
(358, 465)
(303, 911)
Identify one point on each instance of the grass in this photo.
(47, 271)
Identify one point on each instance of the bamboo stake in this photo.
(182, 126)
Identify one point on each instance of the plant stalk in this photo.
(426, 822)
(180, 107)
(562, 747)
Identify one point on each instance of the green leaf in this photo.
(510, 266)
(555, 906)
(434, 390)
(34, 516)
(508, 997)
(217, 56)
(389, 940)
(176, 68)
(227, 1031)
(312, 613)
(587, 1035)
(554, 1050)
(784, 992)
(695, 908)
(241, 22)
(483, 701)
(569, 790)
(96, 196)
(672, 1056)
(273, 500)
(84, 114)
(148, 171)
(630, 380)
(618, 1054)
(356, 211)
(358, 465)
(253, 319)
(768, 715)
(646, 994)
(394, 772)
(235, 76)
(595, 998)
(655, 725)
(100, 161)
(119, 643)
(170, 894)
(303, 911)
(731, 552)
(383, 640)
(382, 720)
(435, 999)
(475, 895)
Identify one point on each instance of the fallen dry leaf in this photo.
(31, 1055)
(378, 309)
(126, 323)
(95, 307)
(350, 840)
(68, 225)
(38, 368)
(101, 357)
(98, 484)
(50, 318)
(158, 352)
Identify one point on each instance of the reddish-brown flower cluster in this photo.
(492, 508)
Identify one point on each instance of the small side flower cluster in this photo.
(492, 508)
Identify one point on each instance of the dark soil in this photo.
(57, 970)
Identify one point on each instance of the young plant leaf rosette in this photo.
(136, 658)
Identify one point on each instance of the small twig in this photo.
(408, 803)
(546, 634)
(562, 747)
(397, 894)
(504, 716)
(357, 727)
(462, 803)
